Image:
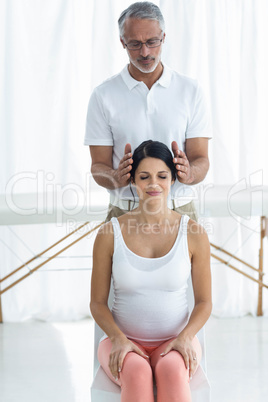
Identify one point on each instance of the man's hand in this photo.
(102, 167)
(122, 173)
(184, 171)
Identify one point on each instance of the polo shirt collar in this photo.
(165, 78)
(130, 82)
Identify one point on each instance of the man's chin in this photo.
(144, 69)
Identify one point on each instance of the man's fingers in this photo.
(182, 168)
(125, 171)
(123, 180)
(175, 148)
(177, 153)
(125, 163)
(180, 161)
(127, 149)
(123, 174)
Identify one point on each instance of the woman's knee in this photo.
(171, 367)
(136, 369)
(136, 379)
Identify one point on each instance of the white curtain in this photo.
(53, 54)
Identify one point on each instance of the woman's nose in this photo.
(153, 182)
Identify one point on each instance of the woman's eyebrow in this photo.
(161, 171)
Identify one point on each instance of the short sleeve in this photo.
(200, 120)
(97, 128)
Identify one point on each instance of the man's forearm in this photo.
(199, 169)
(104, 176)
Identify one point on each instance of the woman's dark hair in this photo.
(153, 149)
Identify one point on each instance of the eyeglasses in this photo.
(137, 45)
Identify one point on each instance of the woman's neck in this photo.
(152, 215)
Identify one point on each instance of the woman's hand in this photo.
(121, 347)
(184, 346)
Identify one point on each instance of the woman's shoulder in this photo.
(195, 229)
(197, 235)
(106, 229)
(104, 237)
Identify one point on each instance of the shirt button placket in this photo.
(150, 107)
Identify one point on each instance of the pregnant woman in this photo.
(150, 253)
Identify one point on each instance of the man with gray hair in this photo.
(147, 100)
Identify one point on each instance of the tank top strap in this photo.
(184, 223)
(183, 235)
(117, 231)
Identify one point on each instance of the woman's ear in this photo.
(132, 180)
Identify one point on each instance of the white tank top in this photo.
(150, 303)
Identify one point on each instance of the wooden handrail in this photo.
(43, 252)
(49, 259)
(233, 256)
(262, 235)
(239, 270)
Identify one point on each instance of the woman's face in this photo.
(153, 179)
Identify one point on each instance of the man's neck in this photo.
(148, 78)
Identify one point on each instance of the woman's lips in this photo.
(153, 193)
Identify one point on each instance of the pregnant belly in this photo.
(151, 319)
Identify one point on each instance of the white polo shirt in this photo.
(122, 110)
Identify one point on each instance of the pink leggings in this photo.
(136, 378)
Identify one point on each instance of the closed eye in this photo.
(146, 177)
(134, 44)
(152, 41)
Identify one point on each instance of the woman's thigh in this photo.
(104, 351)
(156, 355)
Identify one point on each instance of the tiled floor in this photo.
(52, 362)
(237, 353)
